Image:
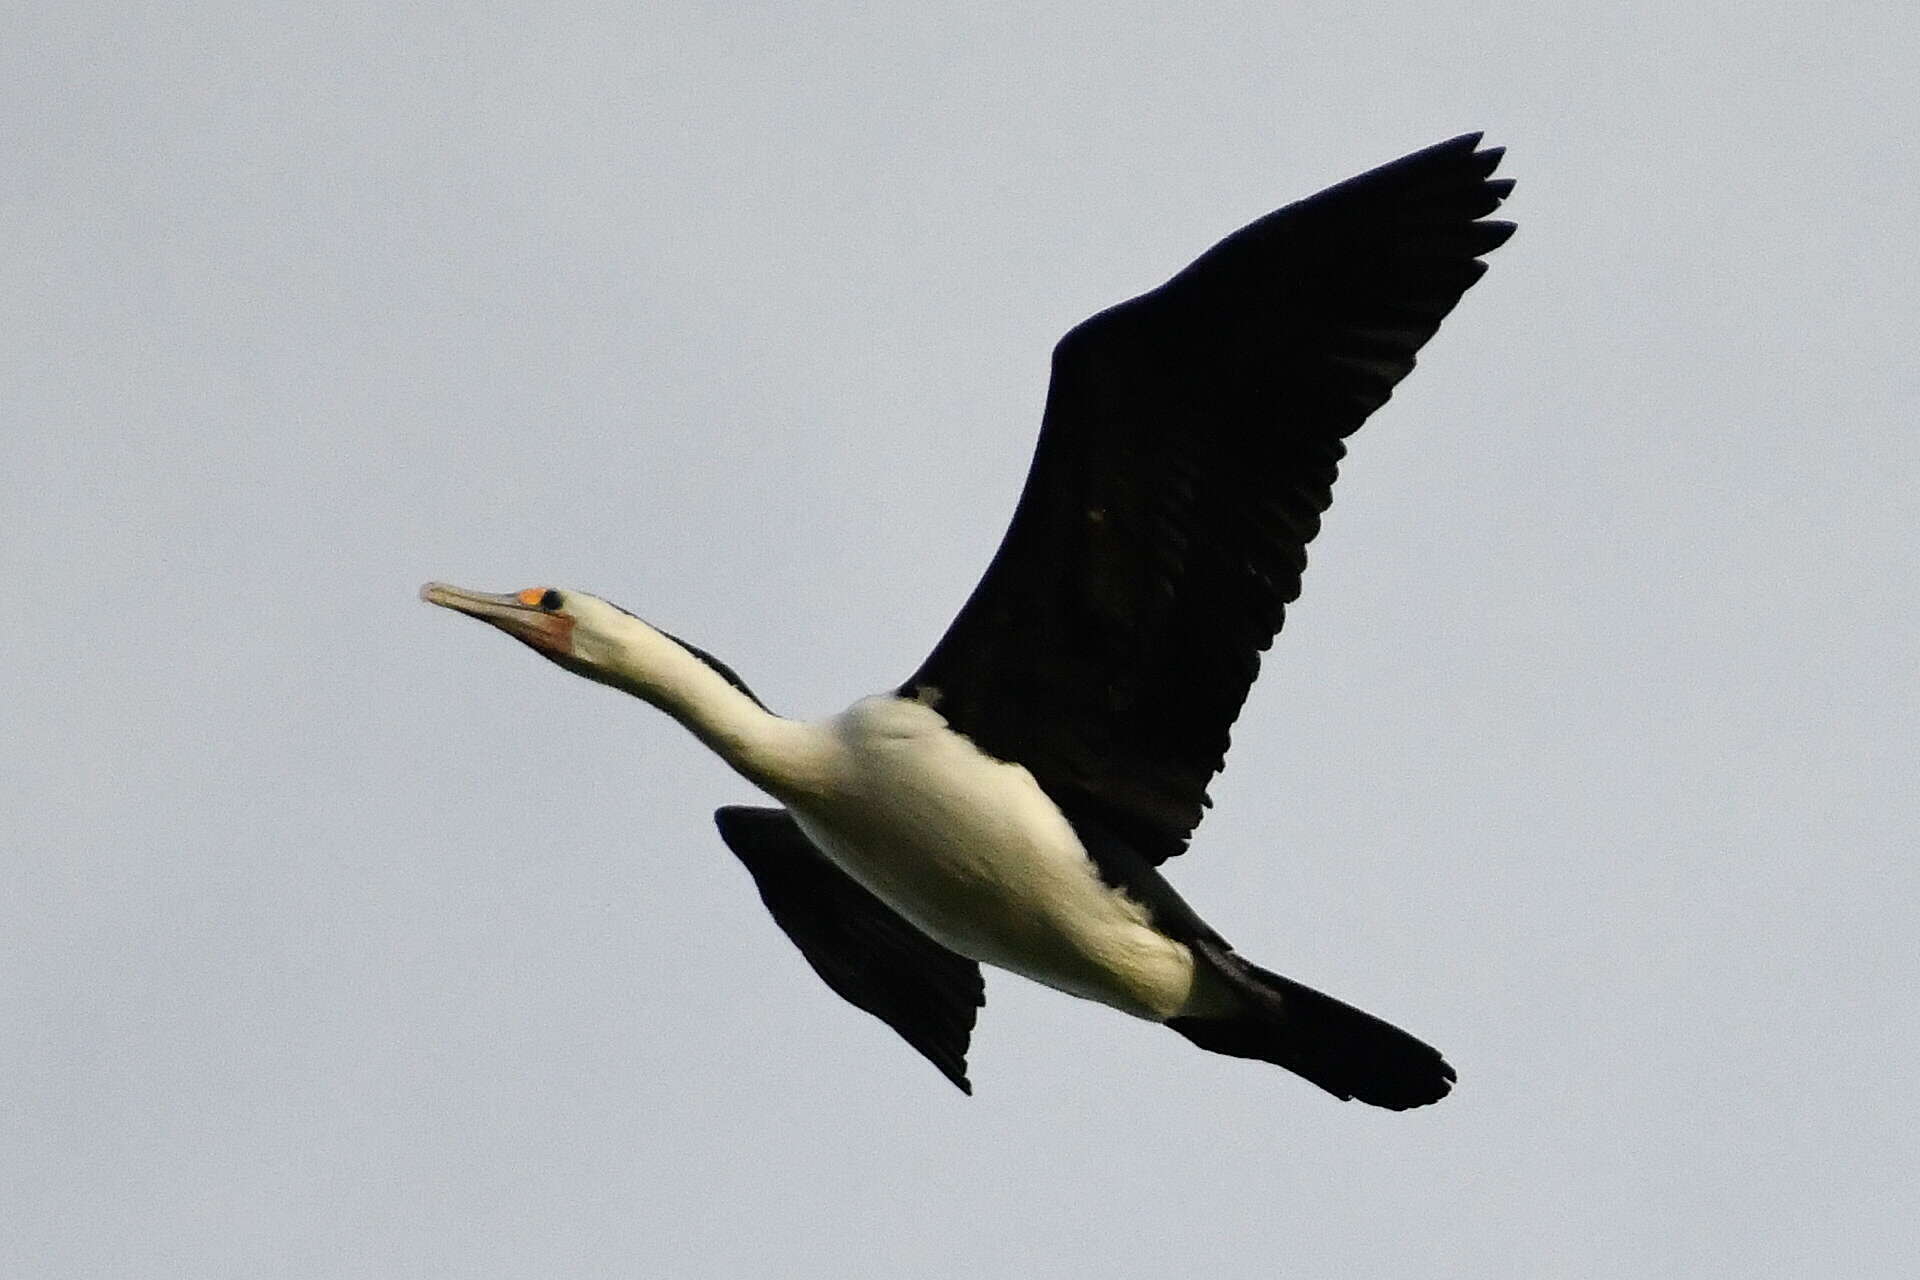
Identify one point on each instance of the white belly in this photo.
(974, 853)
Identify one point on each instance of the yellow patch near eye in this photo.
(531, 596)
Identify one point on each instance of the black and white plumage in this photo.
(1012, 802)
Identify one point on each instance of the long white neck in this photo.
(782, 757)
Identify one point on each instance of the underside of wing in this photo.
(1190, 445)
(872, 958)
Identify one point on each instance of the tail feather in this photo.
(1348, 1053)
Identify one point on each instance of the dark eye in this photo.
(550, 601)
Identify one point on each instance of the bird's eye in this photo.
(540, 598)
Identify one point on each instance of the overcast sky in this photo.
(341, 937)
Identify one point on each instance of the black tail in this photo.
(1348, 1053)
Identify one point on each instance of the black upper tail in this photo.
(1348, 1053)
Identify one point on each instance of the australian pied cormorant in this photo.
(1012, 801)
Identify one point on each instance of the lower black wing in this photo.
(875, 960)
(1190, 445)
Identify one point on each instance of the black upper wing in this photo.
(860, 946)
(1190, 445)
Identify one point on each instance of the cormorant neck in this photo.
(780, 756)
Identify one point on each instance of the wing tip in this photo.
(866, 954)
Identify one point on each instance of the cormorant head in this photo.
(588, 636)
(572, 628)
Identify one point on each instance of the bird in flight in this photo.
(1013, 801)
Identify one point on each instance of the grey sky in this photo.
(339, 937)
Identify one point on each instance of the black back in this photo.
(1189, 447)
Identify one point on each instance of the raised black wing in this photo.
(872, 958)
(1190, 445)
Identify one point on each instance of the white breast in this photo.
(972, 851)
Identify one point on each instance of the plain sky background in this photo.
(341, 937)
